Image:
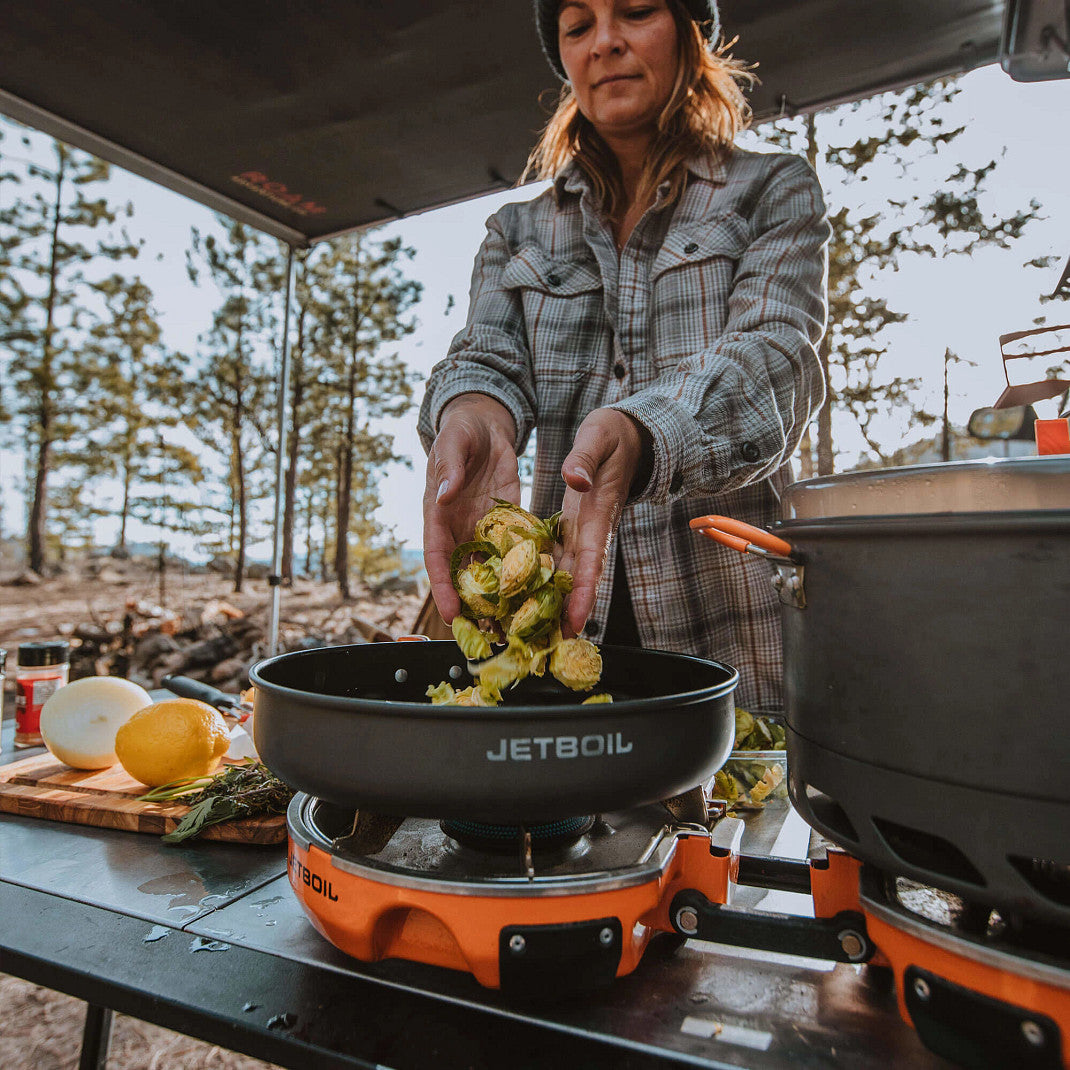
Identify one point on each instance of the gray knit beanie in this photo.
(704, 12)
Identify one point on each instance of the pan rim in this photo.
(508, 713)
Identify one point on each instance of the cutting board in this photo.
(41, 786)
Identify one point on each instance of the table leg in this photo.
(95, 1038)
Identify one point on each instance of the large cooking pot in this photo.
(352, 725)
(925, 614)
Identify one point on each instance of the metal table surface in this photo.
(208, 939)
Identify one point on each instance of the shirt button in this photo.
(750, 452)
(553, 280)
(675, 483)
(591, 627)
(691, 247)
(619, 370)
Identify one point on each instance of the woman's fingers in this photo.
(598, 473)
(471, 462)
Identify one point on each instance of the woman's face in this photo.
(621, 57)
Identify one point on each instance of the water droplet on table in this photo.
(201, 944)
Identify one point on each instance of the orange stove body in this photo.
(902, 950)
(372, 920)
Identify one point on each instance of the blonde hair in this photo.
(704, 114)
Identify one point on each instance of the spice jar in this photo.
(3, 678)
(42, 669)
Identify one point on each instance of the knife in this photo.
(186, 687)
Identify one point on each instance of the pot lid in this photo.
(991, 485)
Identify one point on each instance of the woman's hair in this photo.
(705, 112)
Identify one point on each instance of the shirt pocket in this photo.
(564, 312)
(691, 282)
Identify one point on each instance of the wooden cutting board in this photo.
(41, 786)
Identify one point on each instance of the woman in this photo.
(653, 316)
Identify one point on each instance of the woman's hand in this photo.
(598, 473)
(471, 461)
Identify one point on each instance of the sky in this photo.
(961, 304)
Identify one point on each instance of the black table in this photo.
(207, 939)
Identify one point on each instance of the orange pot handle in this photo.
(737, 535)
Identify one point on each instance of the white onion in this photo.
(79, 721)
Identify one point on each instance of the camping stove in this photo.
(568, 906)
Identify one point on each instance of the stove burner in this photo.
(1001, 935)
(504, 839)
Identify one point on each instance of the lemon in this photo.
(172, 740)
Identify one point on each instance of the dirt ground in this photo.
(40, 1029)
(53, 607)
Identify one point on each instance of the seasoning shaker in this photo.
(3, 678)
(42, 669)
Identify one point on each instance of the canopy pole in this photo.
(275, 579)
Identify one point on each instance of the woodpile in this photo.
(218, 642)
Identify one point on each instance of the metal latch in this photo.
(788, 582)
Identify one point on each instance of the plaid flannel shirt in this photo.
(703, 329)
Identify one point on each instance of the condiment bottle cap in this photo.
(33, 655)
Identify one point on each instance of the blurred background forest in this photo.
(120, 432)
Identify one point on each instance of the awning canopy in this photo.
(311, 119)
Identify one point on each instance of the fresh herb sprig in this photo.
(244, 790)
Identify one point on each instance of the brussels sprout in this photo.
(472, 587)
(744, 725)
(576, 663)
(506, 668)
(602, 697)
(466, 550)
(441, 694)
(520, 567)
(444, 695)
(538, 615)
(474, 644)
(725, 786)
(506, 524)
(771, 779)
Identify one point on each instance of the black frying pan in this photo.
(352, 725)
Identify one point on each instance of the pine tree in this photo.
(947, 220)
(362, 299)
(232, 394)
(129, 389)
(48, 258)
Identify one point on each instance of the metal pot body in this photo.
(926, 692)
(352, 725)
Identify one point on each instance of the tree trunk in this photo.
(124, 511)
(806, 455)
(824, 416)
(239, 479)
(35, 534)
(161, 570)
(945, 438)
(309, 517)
(292, 450)
(345, 490)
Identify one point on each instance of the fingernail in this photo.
(442, 488)
(582, 473)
